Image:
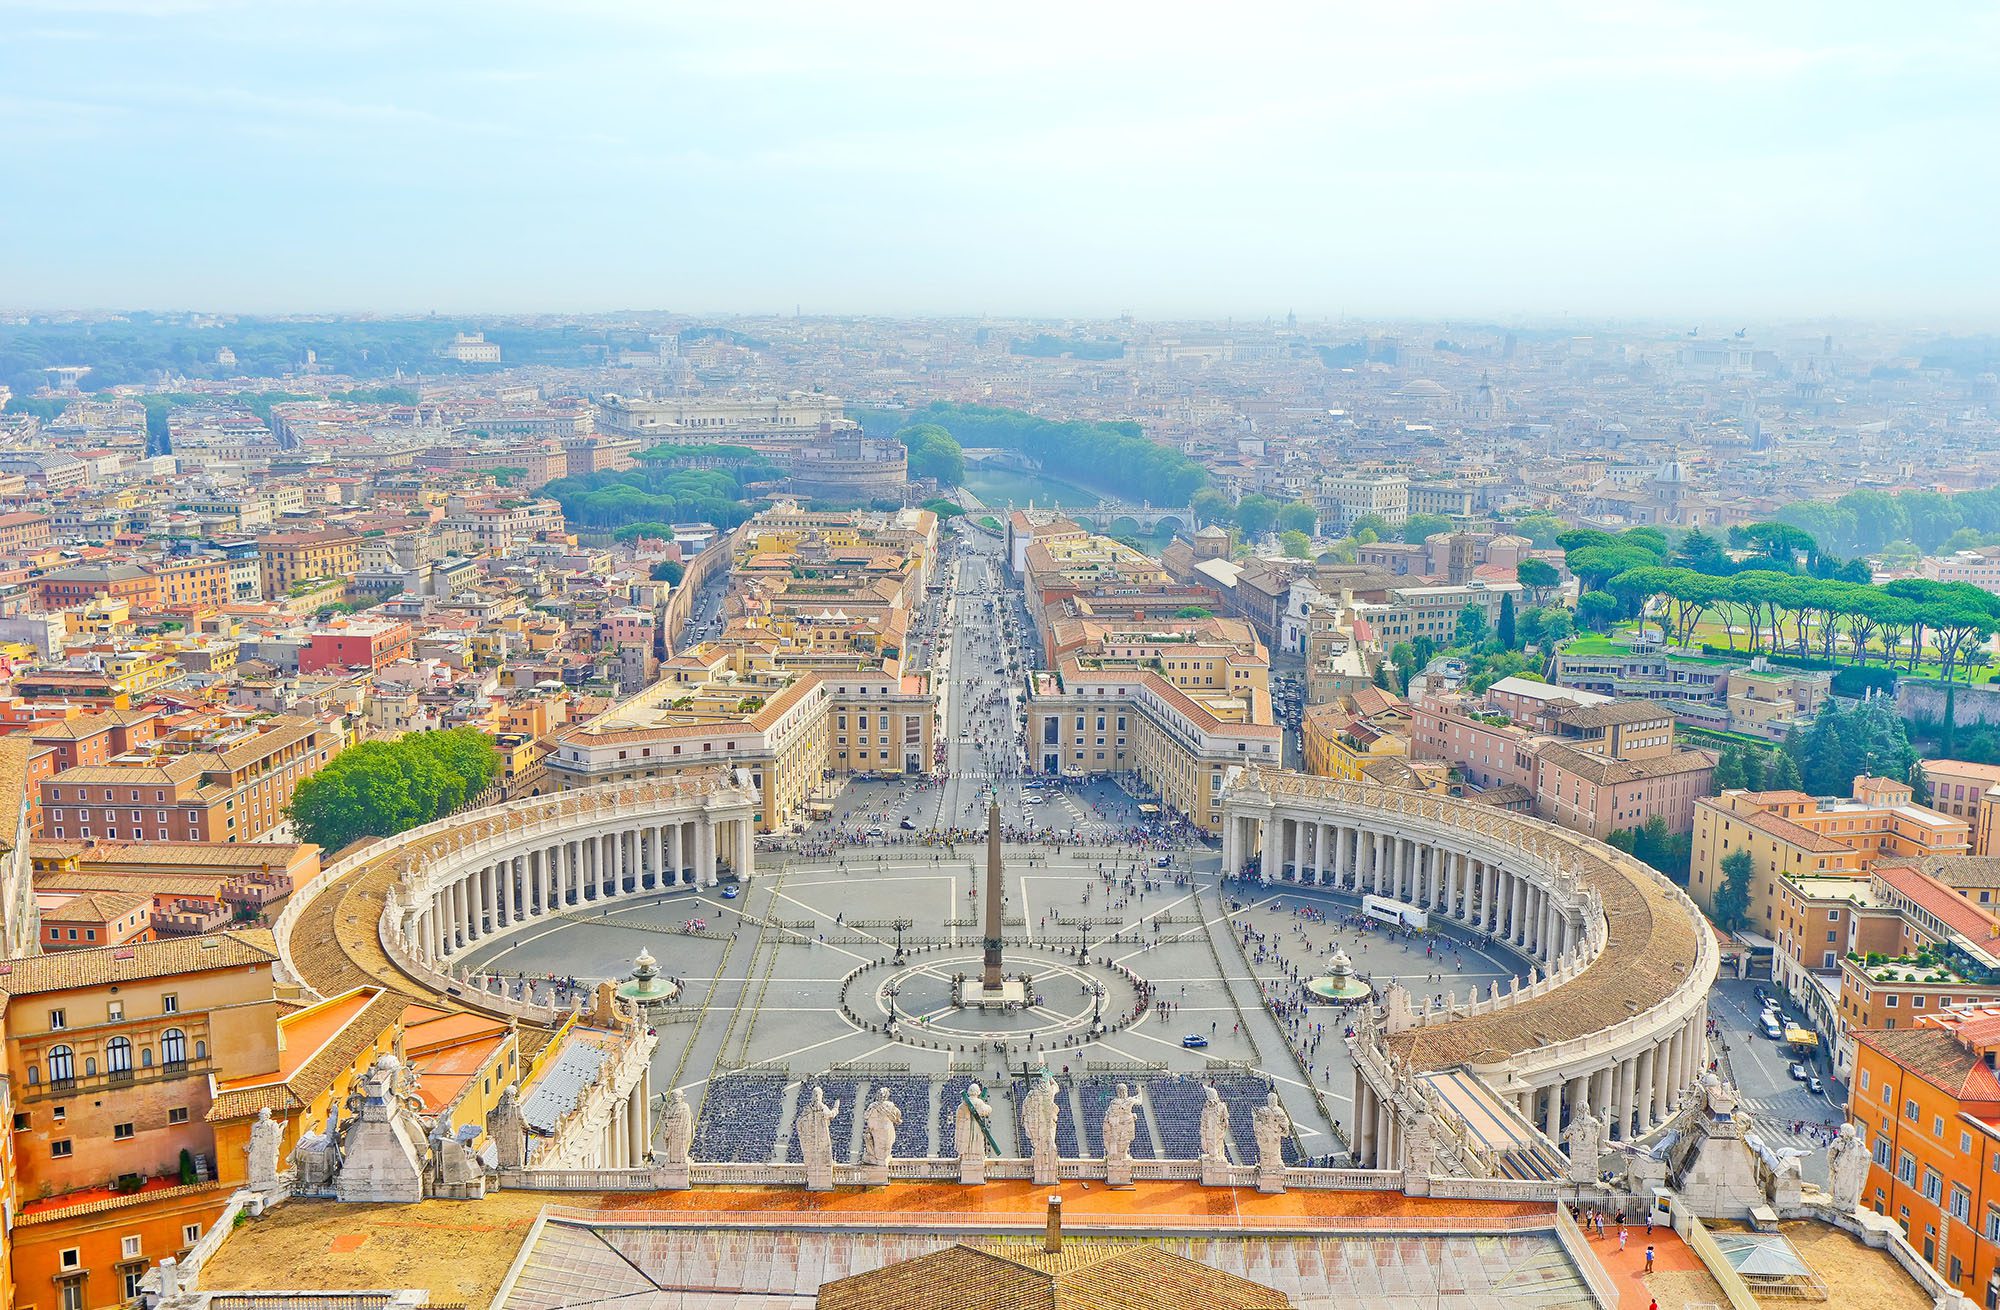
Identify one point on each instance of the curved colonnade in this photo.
(1614, 1026)
(450, 885)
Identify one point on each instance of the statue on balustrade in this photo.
(815, 1130)
(1121, 1124)
(1847, 1165)
(1270, 1124)
(878, 1129)
(1214, 1126)
(1039, 1114)
(973, 1133)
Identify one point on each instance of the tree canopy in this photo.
(1109, 457)
(381, 788)
(933, 454)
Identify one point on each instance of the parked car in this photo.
(729, 892)
(1798, 1072)
(1194, 1041)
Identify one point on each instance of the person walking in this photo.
(1649, 1259)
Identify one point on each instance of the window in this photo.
(173, 1051)
(121, 1132)
(130, 1247)
(170, 1004)
(58, 1019)
(59, 1150)
(1906, 1168)
(62, 1065)
(1961, 1203)
(177, 1115)
(1933, 1186)
(114, 1011)
(118, 1056)
(191, 1234)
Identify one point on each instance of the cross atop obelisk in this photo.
(993, 976)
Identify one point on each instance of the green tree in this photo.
(933, 453)
(1210, 506)
(1901, 554)
(1557, 627)
(1297, 545)
(1297, 516)
(1538, 576)
(381, 788)
(1374, 523)
(1732, 898)
(668, 570)
(1729, 769)
(1597, 610)
(1506, 632)
(1473, 629)
(1783, 773)
(1540, 529)
(1255, 514)
(1193, 612)
(1419, 528)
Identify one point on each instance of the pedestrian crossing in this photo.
(1774, 1116)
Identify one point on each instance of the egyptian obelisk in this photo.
(993, 978)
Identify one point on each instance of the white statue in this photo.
(1847, 1162)
(678, 1129)
(973, 1137)
(1121, 1124)
(265, 1135)
(1039, 1113)
(878, 1129)
(1270, 1123)
(816, 1139)
(1585, 1141)
(1214, 1126)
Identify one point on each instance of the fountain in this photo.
(646, 986)
(1340, 983)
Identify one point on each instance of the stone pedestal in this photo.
(1048, 1170)
(1118, 1172)
(1214, 1172)
(875, 1175)
(675, 1178)
(1270, 1181)
(972, 1170)
(819, 1175)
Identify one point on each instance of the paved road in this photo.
(1760, 1067)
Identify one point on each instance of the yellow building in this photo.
(110, 1055)
(1790, 833)
(1343, 737)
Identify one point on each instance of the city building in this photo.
(1789, 832)
(1587, 762)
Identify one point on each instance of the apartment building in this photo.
(221, 777)
(1345, 498)
(288, 558)
(1432, 612)
(1175, 702)
(789, 730)
(1342, 737)
(1590, 763)
(1789, 832)
(1970, 792)
(110, 1054)
(1926, 1100)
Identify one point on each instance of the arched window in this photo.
(173, 1047)
(145, 1057)
(62, 1064)
(201, 1050)
(90, 1066)
(118, 1055)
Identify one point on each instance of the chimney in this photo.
(1052, 1233)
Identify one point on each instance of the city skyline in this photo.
(1547, 163)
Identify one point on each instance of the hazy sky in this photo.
(1493, 158)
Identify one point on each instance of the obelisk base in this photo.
(974, 994)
